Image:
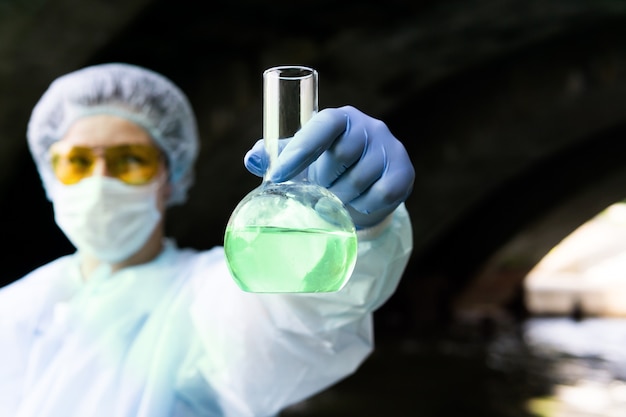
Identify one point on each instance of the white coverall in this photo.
(176, 337)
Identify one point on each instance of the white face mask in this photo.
(106, 218)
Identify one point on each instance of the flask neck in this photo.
(289, 102)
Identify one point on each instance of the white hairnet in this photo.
(137, 94)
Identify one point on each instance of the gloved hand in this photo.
(352, 154)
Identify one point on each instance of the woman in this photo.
(132, 325)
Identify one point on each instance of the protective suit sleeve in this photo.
(268, 351)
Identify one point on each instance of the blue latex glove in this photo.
(353, 155)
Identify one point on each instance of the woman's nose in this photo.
(100, 167)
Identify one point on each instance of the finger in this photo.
(387, 192)
(317, 135)
(256, 159)
(360, 177)
(346, 151)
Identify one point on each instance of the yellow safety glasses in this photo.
(134, 164)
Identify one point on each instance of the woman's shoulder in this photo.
(181, 257)
(34, 288)
(41, 275)
(206, 270)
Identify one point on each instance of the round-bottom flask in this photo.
(290, 237)
(293, 236)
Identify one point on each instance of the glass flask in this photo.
(294, 236)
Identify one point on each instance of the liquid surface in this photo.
(273, 259)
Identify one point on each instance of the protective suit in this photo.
(177, 338)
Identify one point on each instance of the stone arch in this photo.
(591, 177)
(504, 177)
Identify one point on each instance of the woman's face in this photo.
(104, 131)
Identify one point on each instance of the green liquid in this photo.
(272, 259)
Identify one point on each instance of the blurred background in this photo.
(514, 114)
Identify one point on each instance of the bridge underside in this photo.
(513, 113)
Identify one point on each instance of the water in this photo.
(542, 367)
(274, 259)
